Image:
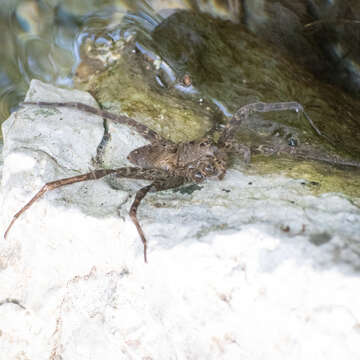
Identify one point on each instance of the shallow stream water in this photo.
(52, 40)
(41, 39)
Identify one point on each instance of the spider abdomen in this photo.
(154, 156)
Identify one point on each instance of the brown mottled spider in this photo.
(169, 165)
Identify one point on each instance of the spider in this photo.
(169, 165)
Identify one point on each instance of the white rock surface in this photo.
(225, 278)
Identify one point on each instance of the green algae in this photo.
(319, 178)
(228, 68)
(231, 66)
(122, 89)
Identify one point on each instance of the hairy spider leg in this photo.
(97, 174)
(140, 194)
(245, 111)
(100, 150)
(126, 172)
(268, 150)
(170, 182)
(142, 129)
(249, 109)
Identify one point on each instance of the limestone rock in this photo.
(251, 267)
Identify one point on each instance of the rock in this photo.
(250, 267)
(180, 85)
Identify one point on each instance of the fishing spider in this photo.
(169, 165)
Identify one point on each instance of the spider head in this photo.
(204, 160)
(206, 168)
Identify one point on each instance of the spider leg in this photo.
(245, 111)
(94, 175)
(100, 150)
(161, 178)
(304, 154)
(158, 185)
(138, 197)
(128, 172)
(142, 129)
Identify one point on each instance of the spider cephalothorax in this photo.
(195, 160)
(169, 165)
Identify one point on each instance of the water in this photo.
(40, 39)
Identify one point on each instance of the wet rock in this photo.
(196, 71)
(321, 35)
(232, 264)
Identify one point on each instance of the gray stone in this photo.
(237, 268)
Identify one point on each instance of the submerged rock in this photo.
(195, 71)
(229, 261)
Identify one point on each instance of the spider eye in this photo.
(209, 169)
(198, 176)
(292, 142)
